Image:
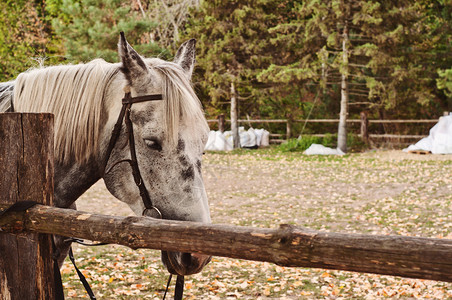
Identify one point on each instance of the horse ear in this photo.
(133, 65)
(185, 56)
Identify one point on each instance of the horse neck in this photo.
(73, 179)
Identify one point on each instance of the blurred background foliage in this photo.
(282, 55)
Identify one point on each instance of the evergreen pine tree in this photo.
(383, 58)
(90, 29)
(232, 47)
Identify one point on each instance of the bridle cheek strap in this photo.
(150, 210)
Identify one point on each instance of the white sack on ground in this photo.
(262, 137)
(439, 140)
(247, 138)
(218, 141)
(316, 149)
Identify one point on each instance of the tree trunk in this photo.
(342, 129)
(234, 117)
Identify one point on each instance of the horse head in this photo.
(169, 138)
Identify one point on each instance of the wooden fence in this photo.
(26, 165)
(363, 121)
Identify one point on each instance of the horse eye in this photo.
(153, 144)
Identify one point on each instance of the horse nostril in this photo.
(186, 259)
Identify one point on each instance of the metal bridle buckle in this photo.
(152, 212)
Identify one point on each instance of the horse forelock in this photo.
(182, 106)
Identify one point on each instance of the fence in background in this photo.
(363, 132)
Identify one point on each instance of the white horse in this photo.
(169, 134)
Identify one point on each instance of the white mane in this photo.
(6, 95)
(75, 94)
(180, 99)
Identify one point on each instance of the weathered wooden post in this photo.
(234, 117)
(26, 168)
(221, 122)
(288, 129)
(364, 128)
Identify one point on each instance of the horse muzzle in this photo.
(179, 263)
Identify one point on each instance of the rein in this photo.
(150, 210)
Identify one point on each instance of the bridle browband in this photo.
(150, 210)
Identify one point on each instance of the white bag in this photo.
(442, 136)
(262, 137)
(247, 138)
(210, 145)
(316, 149)
(439, 140)
(217, 141)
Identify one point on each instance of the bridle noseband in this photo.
(150, 210)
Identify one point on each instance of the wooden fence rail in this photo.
(291, 246)
(363, 133)
(283, 121)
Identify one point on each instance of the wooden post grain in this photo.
(26, 168)
(221, 122)
(364, 128)
(288, 129)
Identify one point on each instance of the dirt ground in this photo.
(240, 180)
(377, 192)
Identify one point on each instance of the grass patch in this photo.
(354, 143)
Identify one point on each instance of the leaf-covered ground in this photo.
(384, 192)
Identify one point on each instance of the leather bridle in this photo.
(150, 210)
